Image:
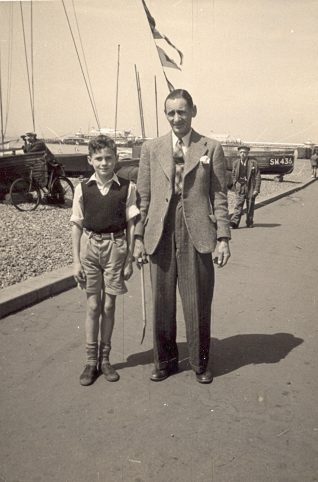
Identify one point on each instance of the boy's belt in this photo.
(100, 236)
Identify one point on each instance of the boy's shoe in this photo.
(233, 225)
(89, 375)
(109, 372)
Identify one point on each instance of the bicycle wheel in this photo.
(25, 194)
(62, 191)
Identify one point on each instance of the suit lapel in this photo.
(197, 149)
(164, 155)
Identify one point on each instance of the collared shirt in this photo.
(78, 208)
(185, 141)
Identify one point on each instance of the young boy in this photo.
(104, 208)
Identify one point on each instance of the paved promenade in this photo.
(257, 421)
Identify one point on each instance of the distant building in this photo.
(226, 138)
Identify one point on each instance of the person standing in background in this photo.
(314, 163)
(246, 184)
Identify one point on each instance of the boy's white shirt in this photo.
(77, 216)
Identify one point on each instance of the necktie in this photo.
(179, 164)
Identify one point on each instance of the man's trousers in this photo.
(238, 209)
(177, 262)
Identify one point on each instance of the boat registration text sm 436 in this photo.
(281, 161)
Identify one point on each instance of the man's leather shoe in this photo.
(173, 367)
(89, 375)
(159, 375)
(204, 377)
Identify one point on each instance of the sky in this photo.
(251, 66)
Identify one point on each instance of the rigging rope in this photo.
(84, 57)
(79, 60)
(27, 66)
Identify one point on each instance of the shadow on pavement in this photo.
(286, 181)
(265, 225)
(250, 349)
(230, 353)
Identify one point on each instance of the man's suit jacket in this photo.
(204, 192)
(253, 176)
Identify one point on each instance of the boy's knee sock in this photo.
(91, 353)
(104, 351)
(104, 365)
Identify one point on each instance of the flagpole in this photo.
(156, 100)
(117, 84)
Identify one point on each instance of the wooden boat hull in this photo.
(19, 165)
(75, 165)
(276, 162)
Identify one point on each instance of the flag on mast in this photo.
(165, 60)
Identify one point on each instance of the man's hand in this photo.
(79, 275)
(140, 253)
(255, 193)
(224, 253)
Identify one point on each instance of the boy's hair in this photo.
(100, 142)
(180, 94)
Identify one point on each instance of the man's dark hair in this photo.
(180, 94)
(100, 142)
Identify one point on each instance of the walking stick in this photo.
(143, 304)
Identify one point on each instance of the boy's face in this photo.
(103, 162)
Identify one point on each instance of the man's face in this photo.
(103, 162)
(179, 116)
(243, 154)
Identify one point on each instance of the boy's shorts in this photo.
(103, 262)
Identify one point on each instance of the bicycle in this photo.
(27, 192)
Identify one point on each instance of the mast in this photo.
(117, 84)
(82, 70)
(141, 114)
(156, 101)
(27, 63)
(1, 110)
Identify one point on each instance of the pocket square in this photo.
(205, 160)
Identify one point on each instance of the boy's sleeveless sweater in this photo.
(105, 214)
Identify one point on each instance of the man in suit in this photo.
(247, 184)
(183, 213)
